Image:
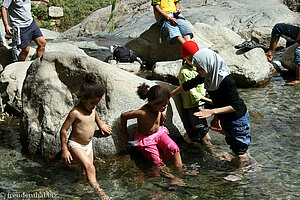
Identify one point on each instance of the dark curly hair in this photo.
(90, 88)
(156, 93)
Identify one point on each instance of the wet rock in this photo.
(288, 57)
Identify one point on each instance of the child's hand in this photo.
(204, 113)
(173, 21)
(123, 138)
(67, 157)
(163, 118)
(106, 128)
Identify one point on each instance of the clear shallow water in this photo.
(275, 145)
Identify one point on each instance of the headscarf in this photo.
(188, 48)
(214, 66)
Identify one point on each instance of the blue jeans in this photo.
(170, 31)
(237, 134)
(291, 32)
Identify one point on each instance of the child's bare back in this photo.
(148, 120)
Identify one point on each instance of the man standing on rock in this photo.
(23, 29)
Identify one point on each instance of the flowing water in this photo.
(275, 131)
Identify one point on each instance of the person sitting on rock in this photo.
(82, 118)
(171, 21)
(292, 32)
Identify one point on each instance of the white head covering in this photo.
(214, 66)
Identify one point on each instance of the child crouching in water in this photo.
(149, 133)
(82, 118)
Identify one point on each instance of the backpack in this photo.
(123, 54)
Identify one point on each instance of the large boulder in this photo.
(250, 68)
(13, 74)
(149, 49)
(132, 18)
(126, 15)
(288, 57)
(11, 84)
(49, 94)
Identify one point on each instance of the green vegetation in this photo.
(74, 12)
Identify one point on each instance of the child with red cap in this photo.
(220, 85)
(193, 100)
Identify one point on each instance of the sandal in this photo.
(219, 130)
(248, 44)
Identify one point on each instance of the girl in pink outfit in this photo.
(150, 135)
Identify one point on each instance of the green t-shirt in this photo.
(190, 98)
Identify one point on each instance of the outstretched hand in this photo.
(204, 113)
(106, 128)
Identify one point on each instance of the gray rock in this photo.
(250, 68)
(50, 35)
(130, 67)
(167, 71)
(11, 83)
(288, 57)
(55, 12)
(133, 18)
(49, 94)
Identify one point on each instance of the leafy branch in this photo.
(111, 17)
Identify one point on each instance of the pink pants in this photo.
(148, 145)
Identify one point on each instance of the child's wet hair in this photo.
(91, 88)
(155, 93)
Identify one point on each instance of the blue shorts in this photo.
(237, 134)
(297, 56)
(171, 32)
(29, 33)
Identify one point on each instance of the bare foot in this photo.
(102, 194)
(293, 82)
(99, 192)
(176, 182)
(269, 56)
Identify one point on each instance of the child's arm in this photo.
(173, 20)
(103, 127)
(163, 118)
(124, 117)
(298, 38)
(66, 155)
(177, 4)
(206, 100)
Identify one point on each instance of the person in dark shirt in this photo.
(228, 106)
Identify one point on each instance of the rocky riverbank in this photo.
(42, 90)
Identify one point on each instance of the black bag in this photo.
(124, 54)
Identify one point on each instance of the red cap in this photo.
(189, 48)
